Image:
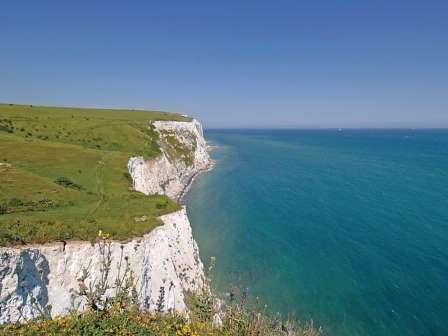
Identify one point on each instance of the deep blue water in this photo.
(348, 228)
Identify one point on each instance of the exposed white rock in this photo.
(217, 321)
(166, 257)
(168, 174)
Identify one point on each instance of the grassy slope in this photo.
(89, 147)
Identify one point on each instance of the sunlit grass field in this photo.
(63, 173)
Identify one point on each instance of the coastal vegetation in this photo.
(63, 173)
(176, 150)
(130, 321)
(121, 314)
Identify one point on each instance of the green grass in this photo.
(63, 173)
(122, 315)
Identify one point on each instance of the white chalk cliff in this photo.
(43, 276)
(171, 172)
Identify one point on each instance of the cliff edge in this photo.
(183, 155)
(42, 277)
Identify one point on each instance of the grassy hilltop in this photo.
(63, 173)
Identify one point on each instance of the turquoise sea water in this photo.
(348, 228)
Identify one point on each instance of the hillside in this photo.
(103, 176)
(63, 173)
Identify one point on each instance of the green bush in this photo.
(128, 178)
(15, 202)
(161, 205)
(3, 209)
(67, 183)
(7, 129)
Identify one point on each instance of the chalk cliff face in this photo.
(183, 155)
(43, 276)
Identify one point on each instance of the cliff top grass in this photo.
(63, 173)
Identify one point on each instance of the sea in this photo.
(344, 227)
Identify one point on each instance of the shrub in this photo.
(67, 183)
(15, 202)
(7, 129)
(3, 209)
(161, 205)
(128, 177)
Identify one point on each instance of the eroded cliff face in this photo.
(42, 277)
(183, 155)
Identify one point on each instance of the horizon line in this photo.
(371, 126)
(280, 128)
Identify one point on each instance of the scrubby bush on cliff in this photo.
(94, 295)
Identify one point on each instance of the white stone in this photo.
(170, 177)
(217, 321)
(166, 257)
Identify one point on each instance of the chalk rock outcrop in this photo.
(183, 155)
(42, 277)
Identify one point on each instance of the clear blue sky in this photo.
(233, 63)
